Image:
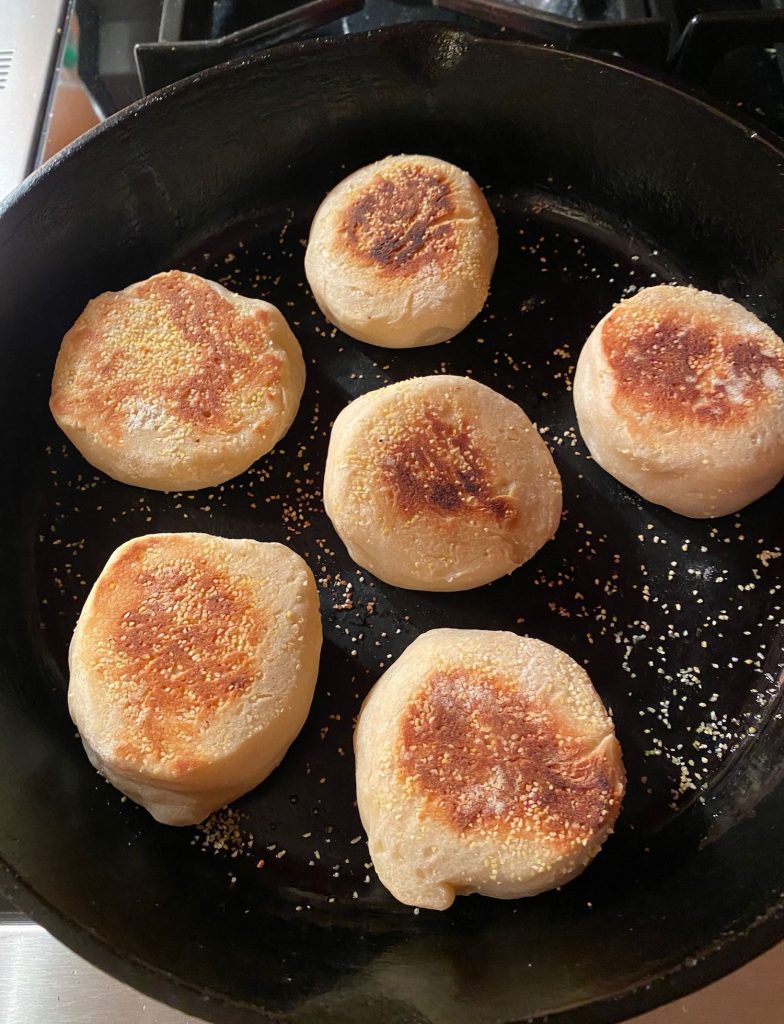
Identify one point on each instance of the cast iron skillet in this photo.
(602, 179)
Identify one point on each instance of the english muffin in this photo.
(401, 252)
(176, 383)
(192, 668)
(486, 763)
(679, 394)
(440, 483)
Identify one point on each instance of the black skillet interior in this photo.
(602, 181)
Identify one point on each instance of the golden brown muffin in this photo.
(176, 383)
(440, 483)
(486, 763)
(192, 668)
(401, 252)
(679, 394)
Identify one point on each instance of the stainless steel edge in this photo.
(30, 34)
(43, 982)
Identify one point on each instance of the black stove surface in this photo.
(731, 49)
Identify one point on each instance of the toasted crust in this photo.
(401, 252)
(176, 383)
(679, 394)
(399, 222)
(495, 761)
(498, 765)
(192, 668)
(435, 466)
(690, 357)
(440, 483)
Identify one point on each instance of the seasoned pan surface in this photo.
(272, 906)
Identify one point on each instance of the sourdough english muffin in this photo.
(401, 252)
(440, 483)
(176, 383)
(486, 763)
(192, 668)
(679, 394)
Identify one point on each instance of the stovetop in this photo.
(734, 49)
(66, 64)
